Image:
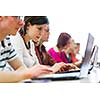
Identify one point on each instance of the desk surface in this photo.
(94, 77)
(84, 80)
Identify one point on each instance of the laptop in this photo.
(73, 75)
(94, 57)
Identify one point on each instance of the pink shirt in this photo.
(58, 56)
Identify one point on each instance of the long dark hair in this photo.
(33, 20)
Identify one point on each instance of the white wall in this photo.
(77, 26)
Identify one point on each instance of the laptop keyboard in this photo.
(58, 78)
(69, 71)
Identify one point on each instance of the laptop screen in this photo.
(94, 55)
(85, 66)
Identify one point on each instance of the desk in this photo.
(84, 80)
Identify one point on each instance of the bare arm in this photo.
(17, 76)
(16, 64)
(78, 63)
(10, 77)
(22, 72)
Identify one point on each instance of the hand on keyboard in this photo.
(62, 67)
(68, 67)
(57, 66)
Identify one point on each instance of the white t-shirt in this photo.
(18, 43)
(7, 53)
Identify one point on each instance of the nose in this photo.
(21, 23)
(40, 33)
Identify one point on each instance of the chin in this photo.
(14, 33)
(36, 40)
(46, 40)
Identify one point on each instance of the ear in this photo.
(28, 25)
(0, 18)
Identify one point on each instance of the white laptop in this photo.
(94, 57)
(74, 75)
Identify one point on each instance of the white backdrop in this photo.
(77, 26)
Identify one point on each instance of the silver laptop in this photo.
(94, 57)
(74, 75)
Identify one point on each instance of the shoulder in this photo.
(51, 49)
(17, 38)
(6, 42)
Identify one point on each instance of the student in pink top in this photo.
(63, 42)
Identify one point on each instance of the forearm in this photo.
(78, 63)
(21, 68)
(7, 77)
(17, 65)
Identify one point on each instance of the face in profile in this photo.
(35, 32)
(13, 24)
(69, 44)
(77, 48)
(45, 33)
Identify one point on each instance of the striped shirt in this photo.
(7, 53)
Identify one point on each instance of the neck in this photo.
(2, 36)
(26, 38)
(67, 51)
(58, 49)
(41, 42)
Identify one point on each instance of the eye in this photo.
(47, 30)
(17, 17)
(39, 28)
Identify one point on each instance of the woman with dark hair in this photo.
(63, 46)
(41, 52)
(31, 33)
(63, 42)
